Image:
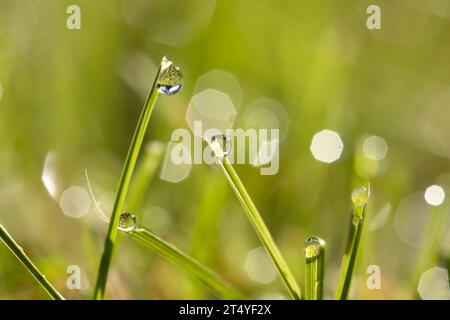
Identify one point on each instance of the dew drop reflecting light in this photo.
(327, 146)
(360, 196)
(221, 146)
(434, 195)
(127, 222)
(170, 79)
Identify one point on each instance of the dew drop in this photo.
(360, 196)
(221, 146)
(170, 79)
(127, 222)
(313, 247)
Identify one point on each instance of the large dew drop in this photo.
(170, 79)
(127, 222)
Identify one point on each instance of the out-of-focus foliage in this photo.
(70, 99)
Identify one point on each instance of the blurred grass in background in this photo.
(70, 99)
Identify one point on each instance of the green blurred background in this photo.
(70, 99)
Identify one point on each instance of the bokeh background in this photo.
(70, 99)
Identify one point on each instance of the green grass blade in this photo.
(360, 197)
(144, 174)
(124, 184)
(185, 263)
(26, 261)
(260, 228)
(315, 268)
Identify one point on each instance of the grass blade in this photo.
(185, 262)
(315, 268)
(144, 175)
(26, 261)
(360, 197)
(124, 183)
(259, 225)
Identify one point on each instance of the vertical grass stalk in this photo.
(124, 184)
(26, 261)
(360, 197)
(260, 227)
(315, 268)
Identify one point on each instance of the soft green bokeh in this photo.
(77, 94)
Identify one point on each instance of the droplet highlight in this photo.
(127, 222)
(170, 79)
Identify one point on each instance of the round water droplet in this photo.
(360, 196)
(221, 146)
(313, 247)
(127, 222)
(170, 79)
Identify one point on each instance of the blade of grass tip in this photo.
(168, 80)
(360, 197)
(185, 262)
(217, 143)
(29, 265)
(315, 268)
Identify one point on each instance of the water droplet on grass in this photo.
(313, 247)
(221, 146)
(127, 222)
(360, 196)
(170, 79)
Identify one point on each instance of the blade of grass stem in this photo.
(17, 250)
(144, 174)
(351, 252)
(315, 268)
(124, 183)
(260, 228)
(185, 262)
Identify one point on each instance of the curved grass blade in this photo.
(360, 198)
(315, 268)
(185, 263)
(124, 184)
(259, 226)
(26, 261)
(172, 254)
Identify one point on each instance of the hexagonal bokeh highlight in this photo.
(434, 195)
(433, 284)
(210, 109)
(222, 81)
(173, 170)
(327, 146)
(266, 113)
